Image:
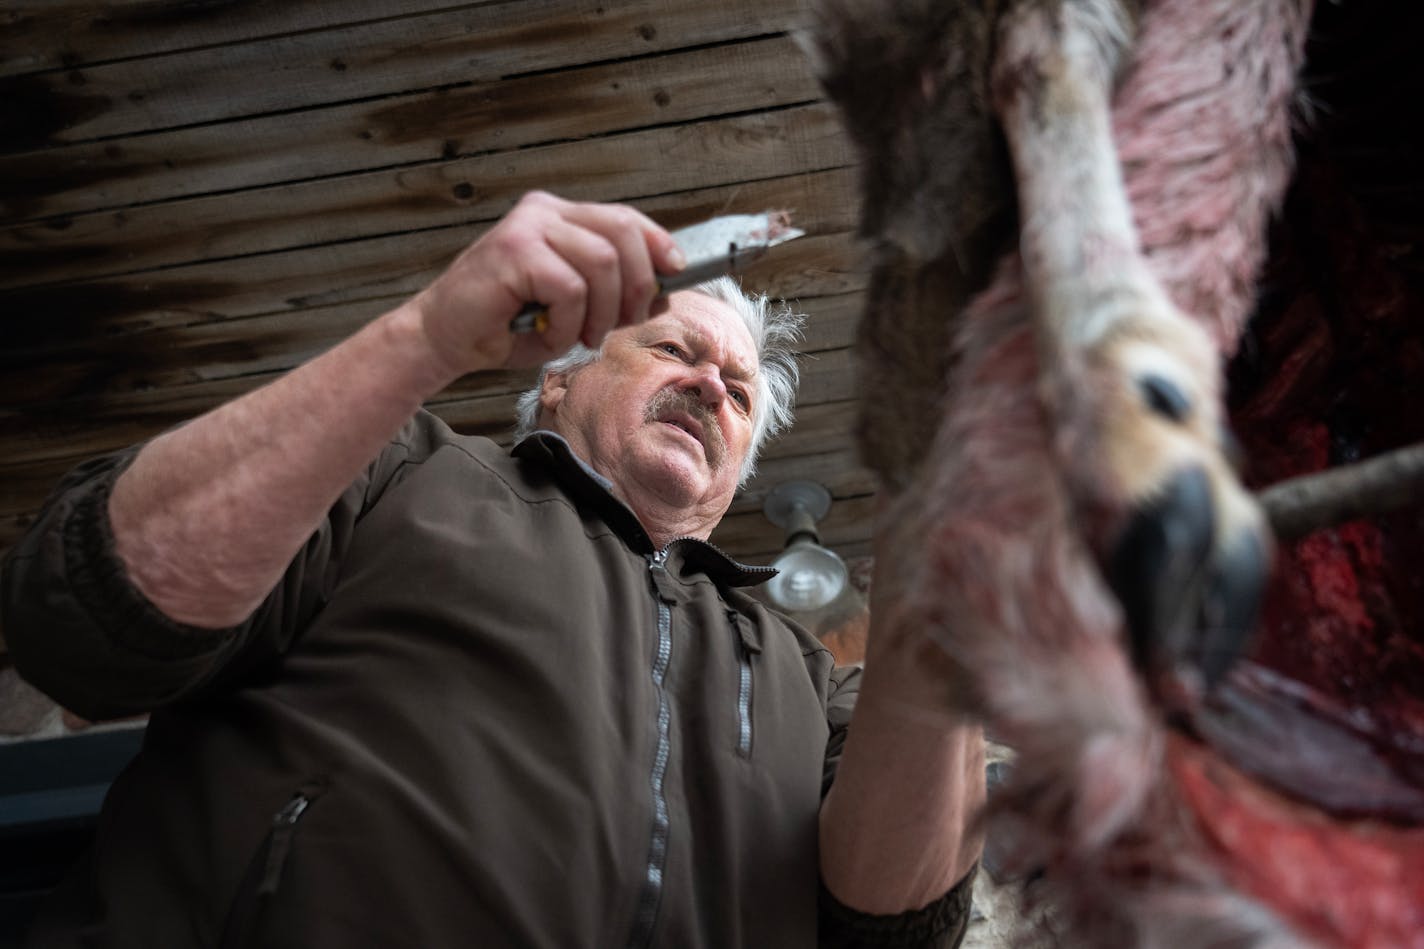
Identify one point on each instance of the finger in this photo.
(665, 254)
(596, 259)
(644, 250)
(550, 279)
(624, 228)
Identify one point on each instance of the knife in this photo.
(720, 245)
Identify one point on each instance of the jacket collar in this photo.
(591, 491)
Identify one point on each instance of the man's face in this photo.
(666, 414)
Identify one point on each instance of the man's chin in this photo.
(675, 464)
(672, 473)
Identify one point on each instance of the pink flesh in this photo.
(1347, 883)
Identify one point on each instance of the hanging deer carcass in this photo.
(1066, 206)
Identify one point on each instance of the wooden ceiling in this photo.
(196, 196)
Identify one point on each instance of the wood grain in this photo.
(43, 34)
(383, 57)
(323, 141)
(621, 167)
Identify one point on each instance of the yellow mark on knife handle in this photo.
(533, 318)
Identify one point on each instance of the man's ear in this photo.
(552, 392)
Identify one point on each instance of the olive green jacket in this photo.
(480, 709)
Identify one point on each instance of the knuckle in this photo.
(537, 205)
(513, 243)
(624, 216)
(603, 256)
(570, 290)
(511, 237)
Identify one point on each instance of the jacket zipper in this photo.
(284, 827)
(744, 687)
(651, 895)
(250, 904)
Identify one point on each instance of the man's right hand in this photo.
(594, 266)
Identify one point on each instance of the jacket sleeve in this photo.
(840, 703)
(79, 631)
(940, 925)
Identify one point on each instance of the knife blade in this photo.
(721, 245)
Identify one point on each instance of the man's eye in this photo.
(672, 350)
(741, 398)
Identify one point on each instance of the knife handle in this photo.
(534, 317)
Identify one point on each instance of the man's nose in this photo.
(707, 382)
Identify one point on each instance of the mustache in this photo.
(673, 399)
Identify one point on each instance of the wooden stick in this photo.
(1300, 505)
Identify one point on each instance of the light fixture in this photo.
(811, 576)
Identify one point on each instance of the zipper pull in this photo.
(659, 576)
(291, 812)
(284, 823)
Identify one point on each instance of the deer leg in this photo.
(1132, 386)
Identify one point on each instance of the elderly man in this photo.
(409, 689)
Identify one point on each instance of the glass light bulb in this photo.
(811, 577)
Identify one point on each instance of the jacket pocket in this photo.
(746, 648)
(263, 877)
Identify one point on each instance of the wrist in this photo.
(914, 678)
(433, 363)
(931, 711)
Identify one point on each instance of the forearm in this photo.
(897, 827)
(209, 515)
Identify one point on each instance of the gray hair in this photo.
(775, 330)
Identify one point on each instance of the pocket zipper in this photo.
(255, 891)
(284, 828)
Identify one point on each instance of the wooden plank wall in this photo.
(198, 195)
